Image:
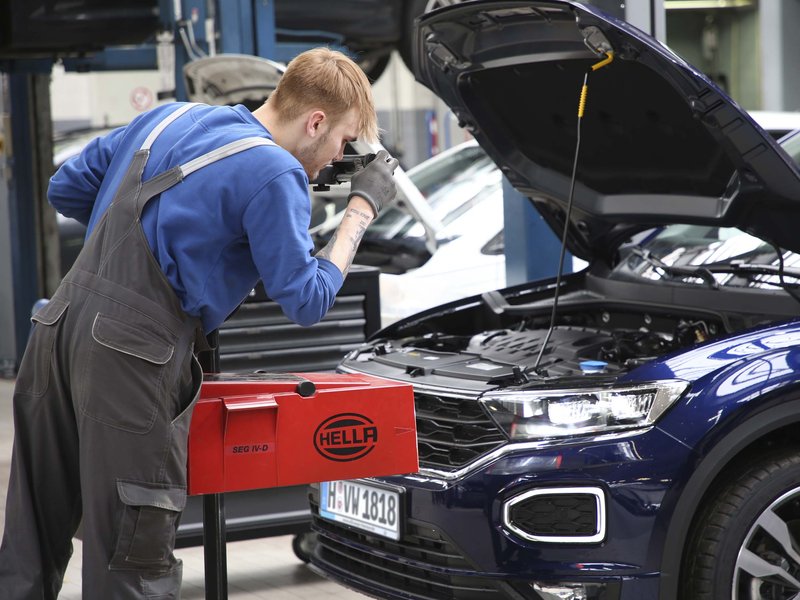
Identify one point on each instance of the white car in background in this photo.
(776, 123)
(469, 251)
(441, 239)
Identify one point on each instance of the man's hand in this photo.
(374, 183)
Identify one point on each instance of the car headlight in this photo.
(545, 413)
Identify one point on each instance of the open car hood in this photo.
(659, 142)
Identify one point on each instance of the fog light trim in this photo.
(570, 591)
(600, 506)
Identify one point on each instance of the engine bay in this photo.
(617, 322)
(614, 341)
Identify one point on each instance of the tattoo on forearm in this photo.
(361, 222)
(361, 226)
(326, 251)
(354, 220)
(360, 213)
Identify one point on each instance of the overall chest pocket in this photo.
(127, 371)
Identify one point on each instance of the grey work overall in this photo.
(102, 407)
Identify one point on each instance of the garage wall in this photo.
(82, 100)
(780, 51)
(724, 44)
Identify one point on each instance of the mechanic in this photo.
(187, 208)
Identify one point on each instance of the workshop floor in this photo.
(257, 569)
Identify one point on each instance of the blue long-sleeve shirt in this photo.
(221, 229)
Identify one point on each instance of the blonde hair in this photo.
(329, 80)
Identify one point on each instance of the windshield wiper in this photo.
(734, 267)
(738, 267)
(700, 272)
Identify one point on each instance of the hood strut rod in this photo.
(581, 105)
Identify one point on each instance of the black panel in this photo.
(638, 134)
(259, 337)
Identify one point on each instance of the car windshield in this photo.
(713, 256)
(432, 175)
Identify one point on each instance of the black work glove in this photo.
(374, 182)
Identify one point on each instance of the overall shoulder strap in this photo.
(166, 180)
(148, 142)
(228, 149)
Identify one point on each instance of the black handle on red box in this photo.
(305, 388)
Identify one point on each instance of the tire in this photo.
(303, 545)
(743, 545)
(374, 65)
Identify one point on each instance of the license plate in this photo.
(366, 507)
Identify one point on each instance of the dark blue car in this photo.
(631, 431)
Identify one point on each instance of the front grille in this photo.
(422, 565)
(452, 432)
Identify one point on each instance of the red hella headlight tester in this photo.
(263, 430)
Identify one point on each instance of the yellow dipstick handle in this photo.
(585, 89)
(609, 57)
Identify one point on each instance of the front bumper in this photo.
(460, 541)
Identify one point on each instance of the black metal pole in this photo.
(214, 550)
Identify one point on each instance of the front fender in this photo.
(722, 444)
(741, 384)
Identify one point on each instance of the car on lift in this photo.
(627, 431)
(370, 29)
